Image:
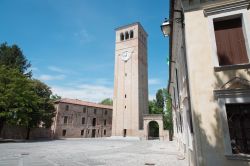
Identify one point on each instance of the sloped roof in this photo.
(83, 103)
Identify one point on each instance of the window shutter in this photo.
(231, 48)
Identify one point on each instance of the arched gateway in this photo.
(153, 127)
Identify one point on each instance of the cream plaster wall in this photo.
(203, 80)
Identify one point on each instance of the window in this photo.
(65, 119)
(104, 132)
(64, 133)
(94, 122)
(177, 126)
(125, 96)
(67, 107)
(125, 106)
(238, 116)
(106, 112)
(94, 111)
(181, 122)
(126, 35)
(84, 110)
(126, 74)
(82, 132)
(83, 120)
(177, 86)
(105, 122)
(131, 33)
(121, 36)
(174, 98)
(230, 42)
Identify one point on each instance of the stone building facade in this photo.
(210, 80)
(79, 119)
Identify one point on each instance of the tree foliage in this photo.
(23, 101)
(162, 105)
(12, 57)
(160, 100)
(107, 101)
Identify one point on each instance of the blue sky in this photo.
(71, 43)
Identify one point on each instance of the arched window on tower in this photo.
(131, 34)
(126, 35)
(121, 36)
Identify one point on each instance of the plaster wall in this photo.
(203, 81)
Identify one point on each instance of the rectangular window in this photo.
(105, 122)
(177, 87)
(238, 117)
(230, 42)
(67, 107)
(82, 132)
(84, 109)
(106, 112)
(65, 119)
(177, 126)
(64, 133)
(174, 98)
(94, 111)
(104, 132)
(83, 120)
(181, 122)
(94, 122)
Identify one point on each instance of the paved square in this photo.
(84, 152)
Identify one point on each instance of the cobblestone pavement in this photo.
(84, 152)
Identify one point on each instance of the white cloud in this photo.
(57, 69)
(46, 77)
(154, 81)
(87, 92)
(84, 36)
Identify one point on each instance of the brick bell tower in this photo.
(130, 100)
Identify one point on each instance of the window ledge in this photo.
(232, 67)
(245, 157)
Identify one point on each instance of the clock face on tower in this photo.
(126, 55)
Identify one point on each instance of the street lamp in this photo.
(165, 28)
(166, 25)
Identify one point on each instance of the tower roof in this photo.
(131, 24)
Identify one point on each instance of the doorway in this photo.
(153, 130)
(93, 133)
(124, 132)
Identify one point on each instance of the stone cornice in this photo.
(211, 10)
(232, 93)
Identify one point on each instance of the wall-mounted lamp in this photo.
(166, 25)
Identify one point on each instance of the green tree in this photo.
(160, 100)
(16, 95)
(12, 57)
(153, 109)
(163, 102)
(23, 100)
(55, 97)
(107, 101)
(44, 111)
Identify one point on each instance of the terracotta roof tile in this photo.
(83, 103)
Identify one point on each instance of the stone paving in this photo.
(85, 152)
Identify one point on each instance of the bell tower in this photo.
(130, 100)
